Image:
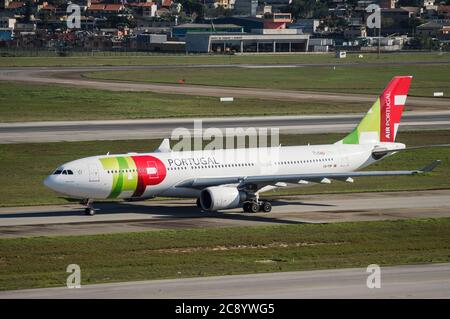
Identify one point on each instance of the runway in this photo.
(174, 214)
(70, 77)
(412, 281)
(35, 132)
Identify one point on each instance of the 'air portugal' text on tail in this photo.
(381, 122)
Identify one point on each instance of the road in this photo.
(174, 214)
(31, 132)
(412, 281)
(70, 77)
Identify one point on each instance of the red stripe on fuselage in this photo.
(150, 170)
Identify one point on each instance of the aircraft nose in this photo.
(50, 182)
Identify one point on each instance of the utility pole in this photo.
(379, 32)
(379, 41)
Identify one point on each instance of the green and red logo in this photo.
(132, 174)
(381, 123)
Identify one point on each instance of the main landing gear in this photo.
(89, 210)
(254, 207)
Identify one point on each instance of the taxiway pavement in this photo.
(174, 214)
(54, 131)
(411, 281)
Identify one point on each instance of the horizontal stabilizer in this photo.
(379, 152)
(430, 167)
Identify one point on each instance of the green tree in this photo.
(409, 3)
(308, 9)
(218, 12)
(115, 21)
(425, 43)
(28, 10)
(320, 10)
(192, 6)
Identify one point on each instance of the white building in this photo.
(6, 22)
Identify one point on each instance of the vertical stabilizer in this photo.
(381, 122)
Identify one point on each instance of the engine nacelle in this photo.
(221, 197)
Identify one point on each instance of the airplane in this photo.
(231, 178)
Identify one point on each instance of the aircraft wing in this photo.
(262, 180)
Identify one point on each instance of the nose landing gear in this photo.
(89, 210)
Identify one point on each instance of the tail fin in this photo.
(381, 122)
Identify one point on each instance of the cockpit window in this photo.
(63, 172)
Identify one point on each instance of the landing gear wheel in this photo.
(89, 211)
(246, 207)
(266, 207)
(253, 207)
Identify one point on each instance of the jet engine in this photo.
(221, 197)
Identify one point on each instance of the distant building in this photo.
(166, 3)
(151, 38)
(427, 3)
(356, 31)
(387, 4)
(387, 44)
(182, 30)
(280, 2)
(320, 45)
(365, 3)
(25, 27)
(396, 14)
(247, 23)
(6, 22)
(4, 3)
(17, 7)
(443, 12)
(276, 4)
(144, 9)
(433, 29)
(306, 25)
(277, 21)
(106, 9)
(6, 34)
(266, 41)
(47, 8)
(413, 11)
(227, 4)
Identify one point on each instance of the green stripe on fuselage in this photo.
(129, 176)
(125, 179)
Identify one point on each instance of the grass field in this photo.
(26, 165)
(42, 262)
(25, 102)
(218, 59)
(361, 79)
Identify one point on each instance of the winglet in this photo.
(430, 166)
(164, 147)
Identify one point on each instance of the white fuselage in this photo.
(147, 175)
